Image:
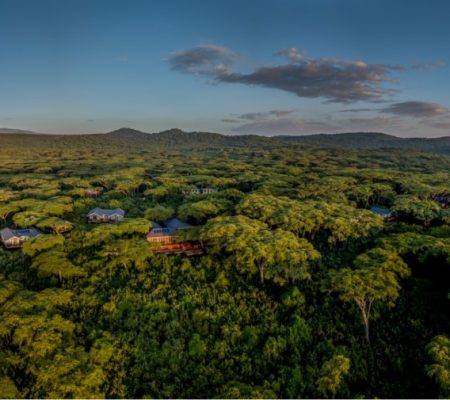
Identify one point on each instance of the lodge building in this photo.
(15, 238)
(103, 216)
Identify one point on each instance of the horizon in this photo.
(260, 68)
(17, 131)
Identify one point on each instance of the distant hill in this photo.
(13, 130)
(371, 140)
(177, 138)
(132, 139)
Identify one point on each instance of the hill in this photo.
(176, 139)
(371, 140)
(13, 130)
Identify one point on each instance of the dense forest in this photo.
(301, 291)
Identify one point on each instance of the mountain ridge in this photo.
(371, 140)
(177, 138)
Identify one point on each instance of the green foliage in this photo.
(424, 211)
(292, 260)
(159, 213)
(40, 243)
(374, 279)
(331, 374)
(278, 256)
(439, 351)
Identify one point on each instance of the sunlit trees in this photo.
(439, 370)
(159, 213)
(424, 211)
(89, 311)
(374, 279)
(331, 374)
(198, 212)
(278, 256)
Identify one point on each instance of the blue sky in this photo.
(235, 67)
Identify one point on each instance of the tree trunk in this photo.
(261, 275)
(365, 314)
(366, 331)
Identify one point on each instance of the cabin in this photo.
(387, 214)
(103, 216)
(168, 241)
(443, 200)
(191, 191)
(93, 192)
(158, 234)
(166, 233)
(14, 238)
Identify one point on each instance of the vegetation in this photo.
(301, 290)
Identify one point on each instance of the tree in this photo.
(57, 225)
(439, 351)
(159, 213)
(375, 278)
(331, 374)
(277, 255)
(200, 211)
(40, 243)
(423, 210)
(6, 210)
(54, 262)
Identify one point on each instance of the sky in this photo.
(235, 67)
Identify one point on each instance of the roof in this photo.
(161, 232)
(442, 199)
(103, 211)
(385, 212)
(155, 224)
(8, 233)
(175, 223)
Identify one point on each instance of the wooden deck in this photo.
(187, 248)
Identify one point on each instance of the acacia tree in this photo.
(439, 351)
(331, 374)
(375, 278)
(159, 213)
(277, 255)
(6, 210)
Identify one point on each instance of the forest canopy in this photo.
(302, 290)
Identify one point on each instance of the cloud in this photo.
(265, 114)
(257, 116)
(354, 110)
(418, 109)
(332, 79)
(292, 54)
(205, 59)
(230, 120)
(440, 125)
(428, 66)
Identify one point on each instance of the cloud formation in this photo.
(356, 110)
(205, 59)
(292, 54)
(417, 109)
(332, 79)
(265, 114)
(428, 66)
(440, 125)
